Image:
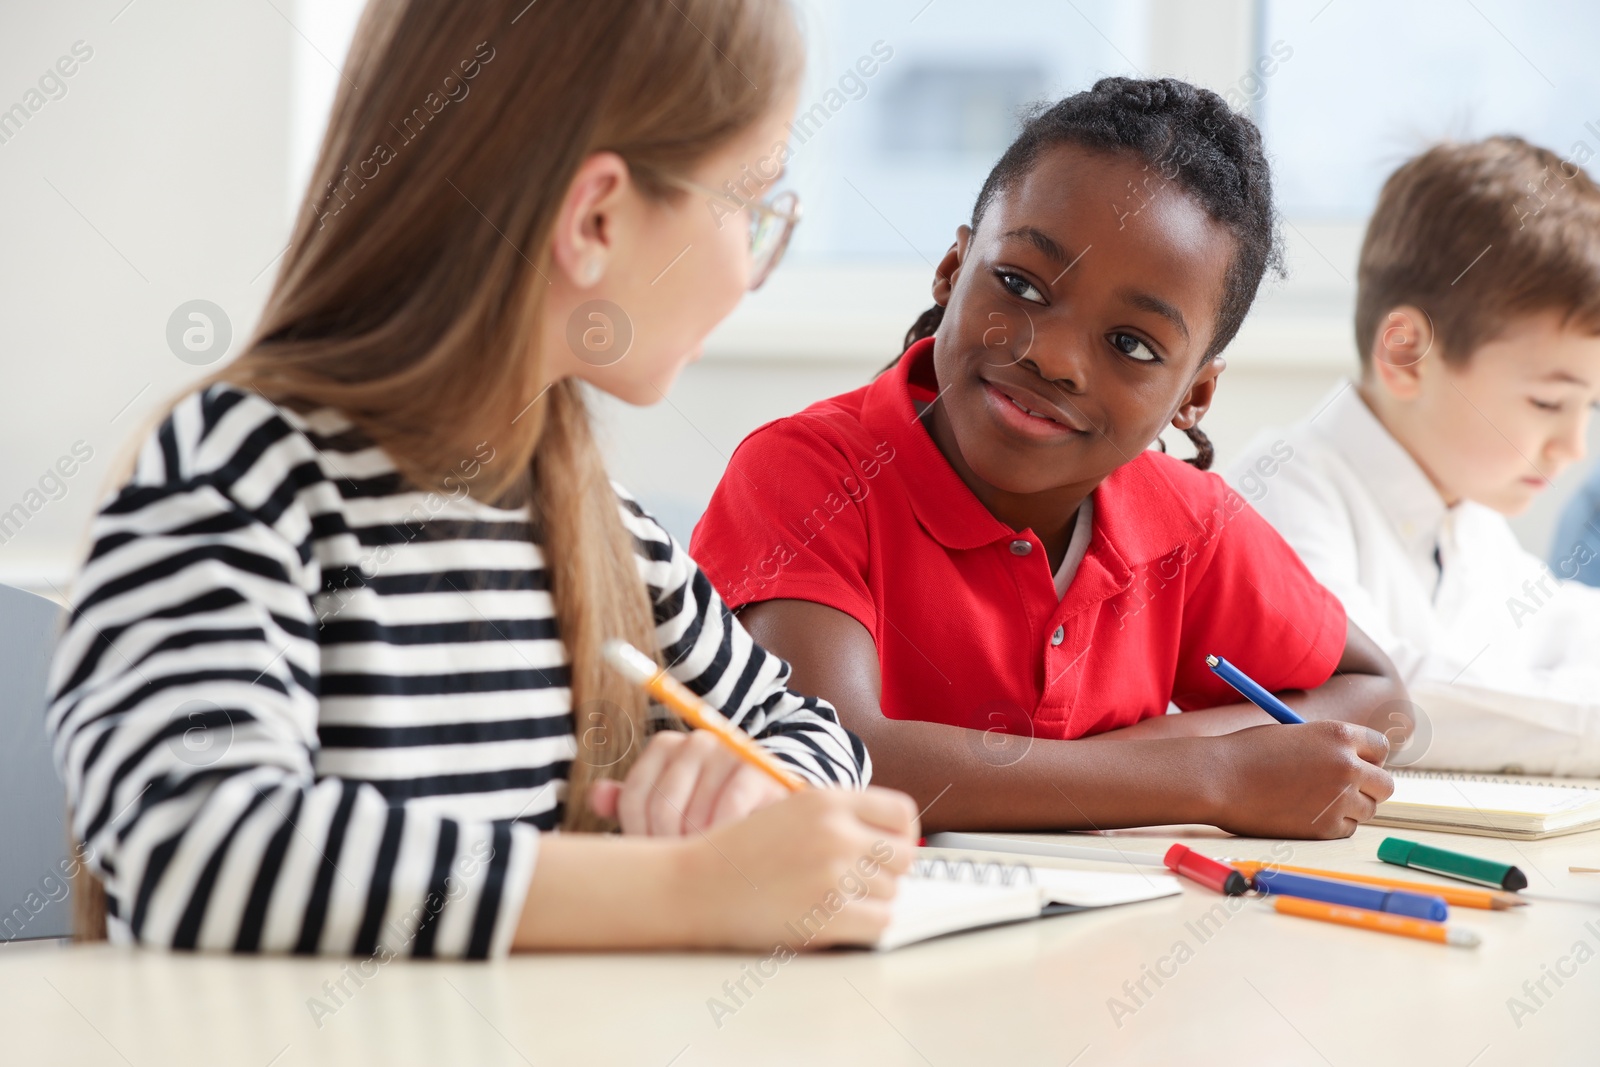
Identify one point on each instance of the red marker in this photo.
(1205, 870)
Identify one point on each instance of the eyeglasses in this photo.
(772, 222)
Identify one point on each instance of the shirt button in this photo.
(1059, 636)
(1019, 547)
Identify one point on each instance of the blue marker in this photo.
(1349, 895)
(1251, 691)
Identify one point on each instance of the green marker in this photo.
(1404, 853)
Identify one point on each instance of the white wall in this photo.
(159, 177)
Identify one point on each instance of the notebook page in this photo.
(929, 907)
(1101, 889)
(1486, 776)
(1079, 888)
(1497, 804)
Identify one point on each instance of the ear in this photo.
(1197, 401)
(949, 268)
(1404, 336)
(584, 239)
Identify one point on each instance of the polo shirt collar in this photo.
(944, 505)
(1127, 529)
(1402, 490)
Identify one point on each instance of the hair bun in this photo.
(1154, 95)
(1146, 96)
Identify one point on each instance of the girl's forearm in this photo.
(736, 886)
(600, 892)
(970, 780)
(1313, 781)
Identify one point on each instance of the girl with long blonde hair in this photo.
(332, 677)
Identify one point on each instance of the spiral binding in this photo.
(1504, 779)
(987, 872)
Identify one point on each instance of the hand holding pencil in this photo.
(642, 671)
(686, 782)
(871, 834)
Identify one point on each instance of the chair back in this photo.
(34, 855)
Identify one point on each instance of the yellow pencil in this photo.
(1457, 896)
(1381, 921)
(641, 670)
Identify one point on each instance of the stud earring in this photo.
(590, 271)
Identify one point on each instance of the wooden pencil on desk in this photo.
(1378, 921)
(642, 671)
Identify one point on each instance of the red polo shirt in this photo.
(851, 504)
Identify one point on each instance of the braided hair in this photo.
(1191, 135)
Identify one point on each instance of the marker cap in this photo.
(1205, 870)
(1416, 905)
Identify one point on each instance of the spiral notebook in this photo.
(1490, 805)
(946, 893)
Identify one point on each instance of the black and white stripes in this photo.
(301, 707)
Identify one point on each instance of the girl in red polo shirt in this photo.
(980, 561)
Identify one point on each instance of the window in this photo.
(1361, 85)
(907, 104)
(896, 165)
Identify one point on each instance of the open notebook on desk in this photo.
(947, 892)
(1491, 805)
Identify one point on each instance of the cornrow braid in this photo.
(927, 325)
(1203, 452)
(1190, 135)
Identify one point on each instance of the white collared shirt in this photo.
(1077, 546)
(1502, 657)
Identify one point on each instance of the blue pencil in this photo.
(1251, 691)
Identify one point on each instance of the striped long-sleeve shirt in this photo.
(301, 706)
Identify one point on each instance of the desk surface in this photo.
(1236, 985)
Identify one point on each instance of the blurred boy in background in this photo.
(1478, 326)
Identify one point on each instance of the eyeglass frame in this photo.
(764, 208)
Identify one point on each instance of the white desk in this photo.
(1255, 988)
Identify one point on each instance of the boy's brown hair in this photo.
(1480, 234)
